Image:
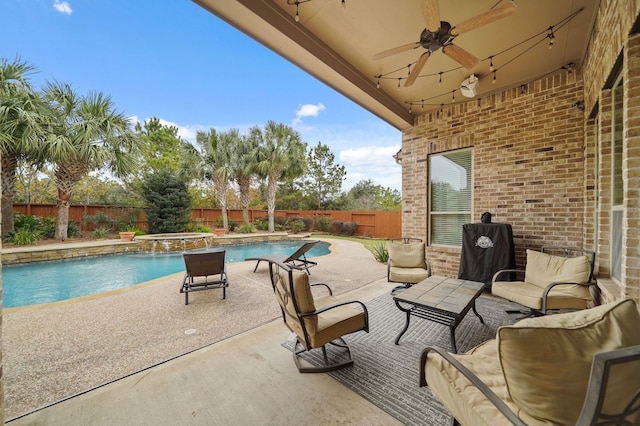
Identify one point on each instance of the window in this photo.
(450, 196)
(616, 185)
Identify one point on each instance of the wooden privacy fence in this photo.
(371, 223)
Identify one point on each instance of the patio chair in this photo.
(407, 263)
(201, 272)
(316, 321)
(554, 278)
(296, 260)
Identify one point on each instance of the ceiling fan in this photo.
(440, 34)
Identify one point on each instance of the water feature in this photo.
(44, 282)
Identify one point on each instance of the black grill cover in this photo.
(486, 249)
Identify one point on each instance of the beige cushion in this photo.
(463, 400)
(322, 328)
(543, 269)
(406, 255)
(407, 275)
(546, 361)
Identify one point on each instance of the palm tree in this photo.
(21, 110)
(85, 134)
(215, 164)
(243, 163)
(281, 156)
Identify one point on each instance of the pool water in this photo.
(45, 282)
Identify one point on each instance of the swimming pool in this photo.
(44, 282)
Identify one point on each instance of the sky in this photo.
(173, 60)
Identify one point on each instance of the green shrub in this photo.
(25, 236)
(296, 226)
(307, 221)
(262, 223)
(101, 232)
(247, 229)
(379, 250)
(168, 202)
(72, 229)
(323, 223)
(349, 228)
(233, 225)
(197, 226)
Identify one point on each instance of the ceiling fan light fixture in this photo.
(468, 87)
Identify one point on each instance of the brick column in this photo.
(631, 170)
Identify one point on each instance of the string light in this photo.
(491, 63)
(297, 3)
(378, 85)
(494, 78)
(440, 80)
(551, 37)
(400, 79)
(453, 96)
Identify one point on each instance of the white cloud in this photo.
(372, 162)
(307, 110)
(62, 7)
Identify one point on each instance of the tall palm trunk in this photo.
(244, 186)
(9, 166)
(220, 185)
(67, 176)
(272, 186)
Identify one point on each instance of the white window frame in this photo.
(467, 213)
(616, 209)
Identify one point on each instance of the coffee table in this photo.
(439, 299)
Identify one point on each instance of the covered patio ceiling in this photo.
(336, 41)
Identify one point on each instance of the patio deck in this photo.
(239, 375)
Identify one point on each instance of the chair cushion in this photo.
(530, 295)
(334, 323)
(407, 275)
(543, 269)
(302, 290)
(406, 255)
(467, 404)
(546, 361)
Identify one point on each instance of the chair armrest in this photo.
(428, 264)
(336, 305)
(475, 380)
(550, 287)
(504, 271)
(323, 285)
(598, 381)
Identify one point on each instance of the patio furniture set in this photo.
(578, 367)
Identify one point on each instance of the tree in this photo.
(213, 165)
(84, 134)
(324, 178)
(365, 195)
(168, 202)
(280, 157)
(162, 147)
(21, 113)
(243, 157)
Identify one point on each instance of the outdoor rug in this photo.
(388, 375)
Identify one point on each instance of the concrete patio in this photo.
(192, 365)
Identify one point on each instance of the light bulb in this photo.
(297, 17)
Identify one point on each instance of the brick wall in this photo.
(528, 164)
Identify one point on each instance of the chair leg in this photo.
(328, 365)
(525, 313)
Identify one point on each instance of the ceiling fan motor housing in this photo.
(434, 41)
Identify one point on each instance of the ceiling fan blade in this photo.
(431, 12)
(417, 68)
(461, 56)
(501, 11)
(395, 50)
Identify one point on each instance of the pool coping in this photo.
(61, 251)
